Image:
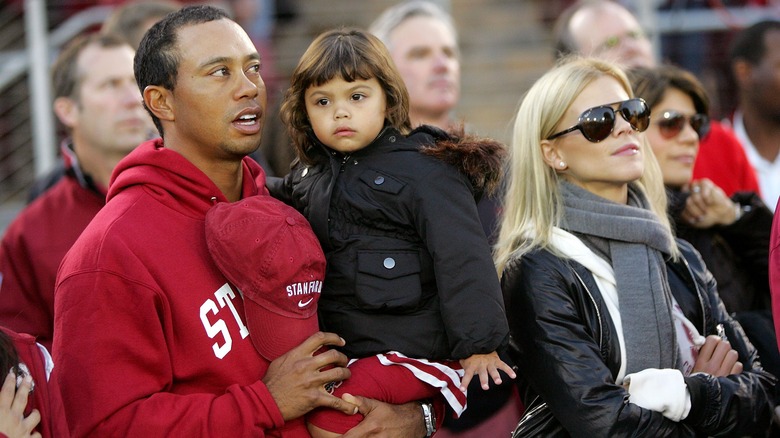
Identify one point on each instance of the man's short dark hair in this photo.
(749, 44)
(157, 61)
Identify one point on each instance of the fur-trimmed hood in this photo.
(480, 159)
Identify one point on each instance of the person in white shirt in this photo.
(755, 64)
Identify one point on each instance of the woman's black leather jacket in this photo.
(566, 349)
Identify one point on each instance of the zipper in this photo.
(343, 164)
(595, 307)
(698, 294)
(528, 415)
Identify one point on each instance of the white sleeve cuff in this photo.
(662, 391)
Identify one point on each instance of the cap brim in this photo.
(274, 335)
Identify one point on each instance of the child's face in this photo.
(346, 116)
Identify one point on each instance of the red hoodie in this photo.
(774, 272)
(149, 336)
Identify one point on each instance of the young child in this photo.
(410, 282)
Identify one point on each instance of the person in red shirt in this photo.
(97, 100)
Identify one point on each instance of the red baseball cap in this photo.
(270, 253)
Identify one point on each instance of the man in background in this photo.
(98, 102)
(755, 65)
(422, 40)
(129, 22)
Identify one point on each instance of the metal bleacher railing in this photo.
(28, 147)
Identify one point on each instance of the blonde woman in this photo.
(615, 324)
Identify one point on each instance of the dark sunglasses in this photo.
(598, 122)
(672, 123)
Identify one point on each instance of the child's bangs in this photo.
(342, 60)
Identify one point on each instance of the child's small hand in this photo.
(484, 364)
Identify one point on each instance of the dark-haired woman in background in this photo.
(731, 234)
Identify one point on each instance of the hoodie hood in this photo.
(165, 173)
(480, 159)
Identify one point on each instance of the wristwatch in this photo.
(430, 418)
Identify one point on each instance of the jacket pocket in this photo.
(388, 280)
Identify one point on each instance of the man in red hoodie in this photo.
(150, 336)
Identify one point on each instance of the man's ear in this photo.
(67, 110)
(159, 101)
(741, 70)
(551, 155)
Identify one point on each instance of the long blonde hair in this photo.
(532, 203)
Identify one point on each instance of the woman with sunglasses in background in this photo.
(617, 328)
(731, 234)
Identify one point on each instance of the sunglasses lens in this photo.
(597, 123)
(701, 124)
(636, 113)
(671, 125)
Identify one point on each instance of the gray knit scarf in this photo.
(634, 242)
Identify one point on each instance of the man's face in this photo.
(108, 114)
(218, 103)
(610, 32)
(426, 54)
(763, 83)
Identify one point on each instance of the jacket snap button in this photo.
(379, 180)
(389, 263)
(392, 139)
(305, 171)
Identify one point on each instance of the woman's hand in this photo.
(708, 205)
(13, 423)
(717, 358)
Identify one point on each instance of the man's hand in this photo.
(13, 423)
(297, 380)
(386, 420)
(717, 358)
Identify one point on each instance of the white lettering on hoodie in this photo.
(224, 296)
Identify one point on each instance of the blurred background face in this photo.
(426, 54)
(108, 113)
(610, 32)
(763, 83)
(675, 151)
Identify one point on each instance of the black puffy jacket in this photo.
(566, 348)
(409, 266)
